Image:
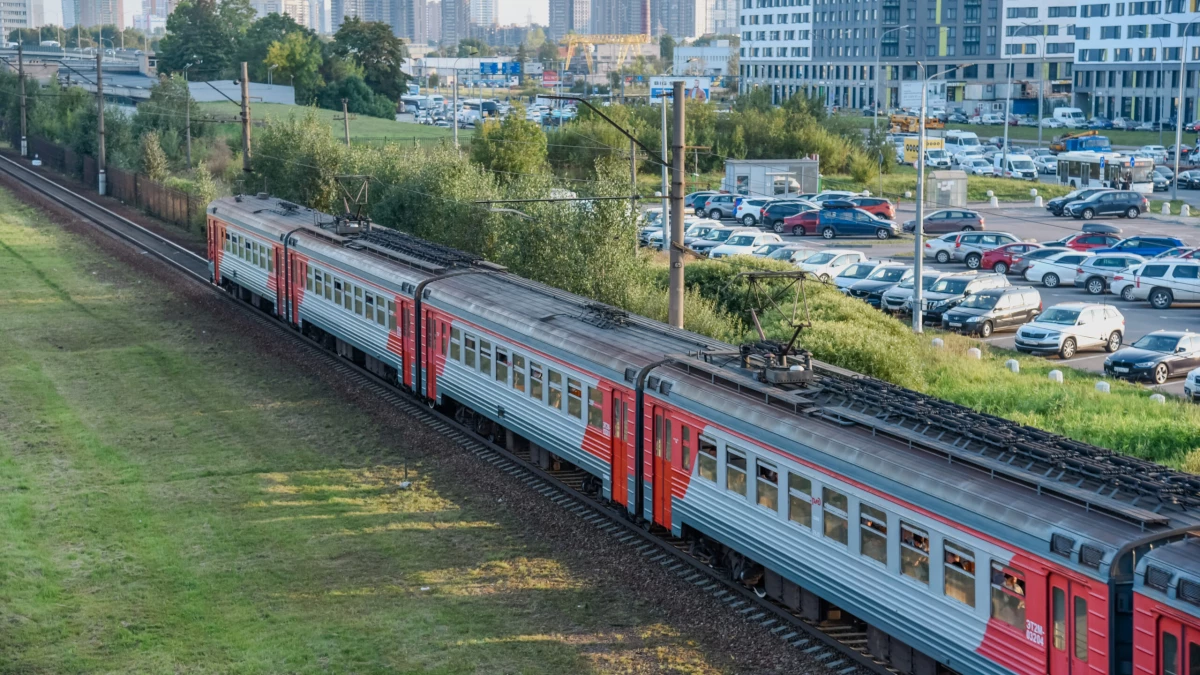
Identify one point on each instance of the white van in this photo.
(957, 141)
(1072, 118)
(49, 43)
(1019, 166)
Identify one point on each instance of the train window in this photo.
(767, 486)
(501, 365)
(381, 317)
(1081, 628)
(574, 398)
(1008, 596)
(455, 341)
(960, 573)
(836, 518)
(873, 524)
(686, 447)
(735, 471)
(347, 296)
(554, 389)
(319, 283)
(358, 300)
(535, 380)
(328, 286)
(914, 552)
(391, 309)
(485, 357)
(799, 500)
(658, 435)
(469, 351)
(271, 259)
(369, 302)
(337, 291)
(1059, 617)
(1193, 658)
(309, 279)
(707, 457)
(1170, 655)
(519, 372)
(668, 443)
(595, 408)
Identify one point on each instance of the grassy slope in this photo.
(361, 127)
(168, 503)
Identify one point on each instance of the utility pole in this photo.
(918, 307)
(187, 115)
(100, 128)
(633, 174)
(21, 77)
(675, 297)
(346, 120)
(666, 212)
(245, 118)
(454, 114)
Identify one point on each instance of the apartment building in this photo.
(1127, 59)
(847, 50)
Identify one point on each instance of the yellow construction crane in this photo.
(626, 41)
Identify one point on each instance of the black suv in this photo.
(1119, 203)
(1058, 205)
(774, 213)
(994, 309)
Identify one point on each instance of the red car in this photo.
(876, 206)
(1000, 259)
(802, 223)
(1086, 241)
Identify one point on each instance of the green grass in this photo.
(172, 502)
(362, 128)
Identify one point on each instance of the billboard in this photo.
(694, 88)
(910, 95)
(549, 78)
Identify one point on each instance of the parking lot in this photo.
(1032, 223)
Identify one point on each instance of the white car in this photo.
(1068, 327)
(744, 243)
(1124, 282)
(991, 118)
(827, 264)
(978, 167)
(749, 209)
(898, 298)
(1051, 123)
(1158, 152)
(831, 195)
(967, 155)
(939, 249)
(693, 227)
(1051, 271)
(854, 274)
(1191, 385)
(1046, 164)
(1165, 281)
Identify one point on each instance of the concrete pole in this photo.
(454, 111)
(633, 174)
(245, 118)
(1007, 112)
(675, 298)
(666, 227)
(100, 127)
(918, 228)
(1041, 91)
(21, 78)
(187, 115)
(346, 121)
(1179, 113)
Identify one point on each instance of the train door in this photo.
(662, 467)
(216, 243)
(1178, 648)
(281, 290)
(432, 333)
(622, 427)
(1068, 623)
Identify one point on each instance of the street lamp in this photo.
(1185, 28)
(271, 67)
(878, 74)
(918, 308)
(1041, 81)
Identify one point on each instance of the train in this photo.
(961, 542)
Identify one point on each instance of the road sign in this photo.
(1101, 163)
(489, 68)
(1131, 162)
(511, 68)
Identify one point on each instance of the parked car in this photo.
(695, 200)
(898, 298)
(948, 220)
(1158, 152)
(832, 223)
(1051, 123)
(1166, 282)
(1178, 252)
(1185, 152)
(1156, 357)
(1165, 171)
(939, 249)
(767, 249)
(719, 206)
(1123, 282)
(1050, 271)
(977, 167)
(1189, 179)
(1057, 205)
(1120, 203)
(832, 194)
(1000, 259)
(1099, 123)
(1095, 273)
(994, 309)
(882, 279)
(717, 236)
(1085, 241)
(743, 243)
(1068, 327)
(1158, 183)
(970, 247)
(1046, 164)
(825, 265)
(950, 290)
(854, 273)
(749, 209)
(793, 253)
(1145, 245)
(956, 118)
(697, 230)
(876, 206)
(1191, 385)
(773, 214)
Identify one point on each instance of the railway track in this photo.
(832, 648)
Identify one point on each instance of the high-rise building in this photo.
(16, 14)
(568, 16)
(722, 17)
(299, 10)
(101, 12)
(408, 20)
(433, 22)
(484, 13)
(681, 19)
(617, 17)
(456, 20)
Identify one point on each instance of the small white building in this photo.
(711, 60)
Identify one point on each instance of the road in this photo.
(1031, 223)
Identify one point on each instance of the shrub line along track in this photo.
(840, 649)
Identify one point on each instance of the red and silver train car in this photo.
(964, 543)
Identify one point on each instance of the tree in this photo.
(473, 47)
(512, 148)
(547, 52)
(258, 39)
(360, 99)
(380, 54)
(167, 110)
(666, 47)
(433, 80)
(535, 38)
(298, 57)
(197, 34)
(154, 160)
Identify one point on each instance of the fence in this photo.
(167, 204)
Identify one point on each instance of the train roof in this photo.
(1005, 476)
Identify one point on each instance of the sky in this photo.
(518, 11)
